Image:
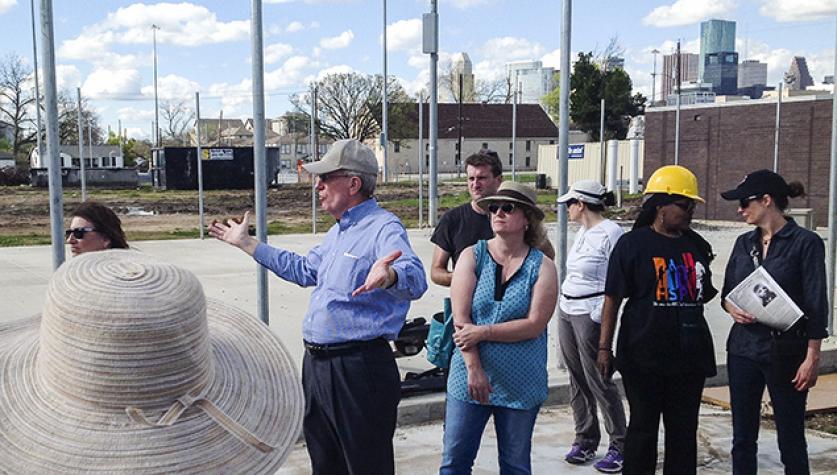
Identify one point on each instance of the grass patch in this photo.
(25, 240)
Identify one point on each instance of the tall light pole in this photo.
(154, 29)
(56, 198)
(37, 85)
(431, 46)
(384, 137)
(259, 152)
(655, 52)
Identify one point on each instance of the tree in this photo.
(17, 102)
(588, 85)
(68, 119)
(498, 91)
(134, 152)
(349, 105)
(177, 121)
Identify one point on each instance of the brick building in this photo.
(721, 143)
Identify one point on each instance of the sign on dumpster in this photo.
(217, 153)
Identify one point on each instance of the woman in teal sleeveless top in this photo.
(503, 294)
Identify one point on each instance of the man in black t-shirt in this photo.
(463, 226)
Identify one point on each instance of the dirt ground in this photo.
(146, 211)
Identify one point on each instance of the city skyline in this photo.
(105, 47)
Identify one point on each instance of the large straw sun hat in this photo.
(130, 369)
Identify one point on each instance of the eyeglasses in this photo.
(328, 176)
(687, 206)
(507, 208)
(745, 202)
(77, 233)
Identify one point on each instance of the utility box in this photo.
(224, 168)
(803, 217)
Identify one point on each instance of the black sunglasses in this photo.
(77, 233)
(507, 207)
(328, 176)
(745, 202)
(687, 206)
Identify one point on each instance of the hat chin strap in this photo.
(199, 400)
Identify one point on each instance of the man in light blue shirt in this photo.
(365, 274)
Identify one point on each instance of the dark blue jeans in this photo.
(464, 425)
(747, 379)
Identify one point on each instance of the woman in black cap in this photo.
(786, 362)
(664, 351)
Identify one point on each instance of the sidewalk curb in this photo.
(431, 407)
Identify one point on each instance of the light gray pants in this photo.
(578, 337)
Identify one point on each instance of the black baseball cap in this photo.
(758, 183)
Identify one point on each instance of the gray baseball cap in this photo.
(347, 154)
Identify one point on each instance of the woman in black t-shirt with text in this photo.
(664, 346)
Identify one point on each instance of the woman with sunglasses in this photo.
(579, 323)
(94, 227)
(503, 294)
(664, 350)
(757, 356)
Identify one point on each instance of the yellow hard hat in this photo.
(673, 180)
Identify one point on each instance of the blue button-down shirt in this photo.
(364, 234)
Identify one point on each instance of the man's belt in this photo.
(582, 297)
(337, 349)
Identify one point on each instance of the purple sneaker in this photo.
(612, 461)
(578, 455)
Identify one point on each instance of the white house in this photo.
(97, 156)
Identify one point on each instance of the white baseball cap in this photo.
(588, 191)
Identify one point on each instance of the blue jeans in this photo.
(464, 425)
(747, 379)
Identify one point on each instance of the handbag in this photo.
(439, 342)
(440, 337)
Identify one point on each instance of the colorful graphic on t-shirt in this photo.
(679, 282)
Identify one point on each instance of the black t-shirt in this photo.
(461, 228)
(666, 281)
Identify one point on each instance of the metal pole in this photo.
(313, 181)
(602, 156)
(257, 53)
(56, 199)
(154, 29)
(654, 77)
(613, 163)
(37, 85)
(434, 122)
(776, 131)
(832, 206)
(121, 153)
(80, 140)
(199, 163)
(384, 137)
(514, 131)
(458, 158)
(677, 113)
(563, 145)
(84, 165)
(633, 181)
(421, 160)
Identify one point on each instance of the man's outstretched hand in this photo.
(235, 233)
(381, 275)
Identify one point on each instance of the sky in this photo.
(105, 47)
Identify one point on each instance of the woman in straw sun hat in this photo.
(130, 369)
(503, 293)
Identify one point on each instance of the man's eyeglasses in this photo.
(507, 208)
(687, 206)
(77, 233)
(328, 176)
(745, 202)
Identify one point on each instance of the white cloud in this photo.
(172, 87)
(291, 73)
(294, 27)
(336, 42)
(6, 4)
(67, 76)
(798, 10)
(687, 12)
(552, 59)
(136, 133)
(273, 53)
(463, 4)
(404, 35)
(111, 82)
(135, 115)
(236, 99)
(499, 51)
(278, 1)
